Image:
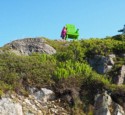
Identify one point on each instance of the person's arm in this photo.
(120, 30)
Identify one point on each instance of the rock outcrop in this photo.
(29, 45)
(42, 94)
(120, 78)
(14, 104)
(104, 105)
(102, 64)
(9, 107)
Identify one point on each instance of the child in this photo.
(63, 33)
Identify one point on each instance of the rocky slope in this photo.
(43, 101)
(29, 45)
(37, 103)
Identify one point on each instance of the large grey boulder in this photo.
(43, 94)
(104, 105)
(120, 78)
(29, 45)
(8, 107)
(102, 64)
(118, 110)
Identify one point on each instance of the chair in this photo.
(72, 32)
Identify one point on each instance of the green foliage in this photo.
(69, 68)
(78, 51)
(29, 70)
(97, 46)
(105, 47)
(119, 37)
(73, 52)
(58, 44)
(4, 87)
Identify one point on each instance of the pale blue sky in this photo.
(36, 18)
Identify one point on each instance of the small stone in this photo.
(54, 106)
(27, 101)
(12, 96)
(40, 112)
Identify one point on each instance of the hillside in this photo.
(86, 77)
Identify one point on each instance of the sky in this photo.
(45, 18)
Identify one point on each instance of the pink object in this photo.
(63, 33)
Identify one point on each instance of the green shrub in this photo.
(69, 68)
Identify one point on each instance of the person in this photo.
(122, 30)
(63, 33)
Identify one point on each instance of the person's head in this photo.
(64, 28)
